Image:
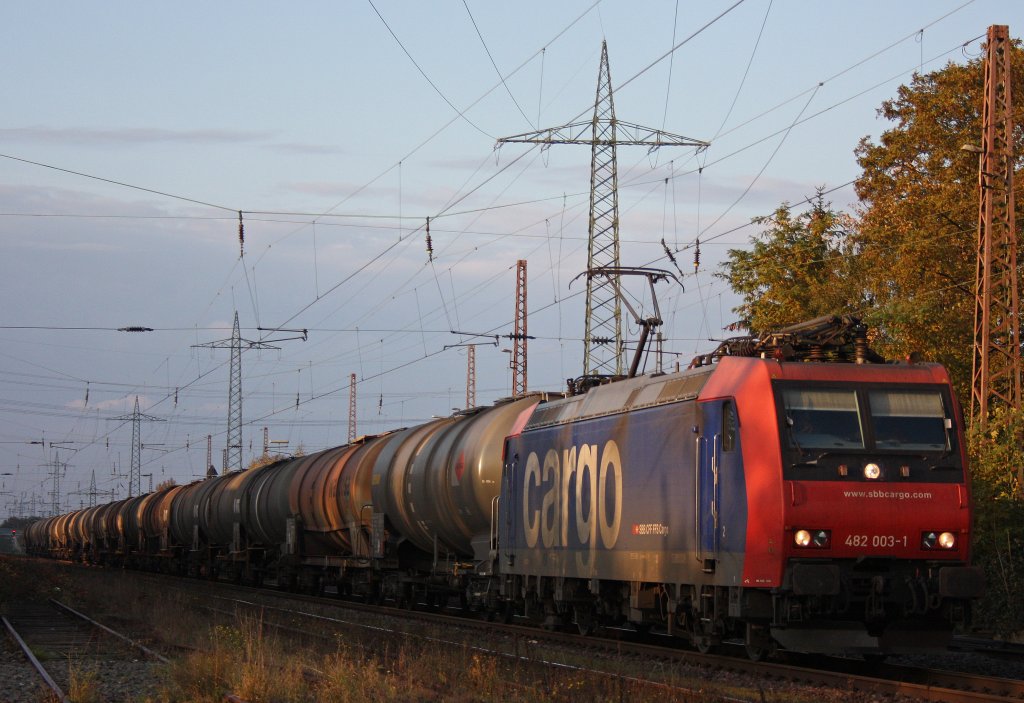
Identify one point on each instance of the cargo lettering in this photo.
(592, 511)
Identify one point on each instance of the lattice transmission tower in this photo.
(233, 450)
(134, 475)
(351, 408)
(602, 342)
(519, 334)
(996, 375)
(470, 376)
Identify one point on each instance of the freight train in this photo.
(790, 491)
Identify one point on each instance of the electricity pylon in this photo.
(470, 376)
(519, 336)
(602, 342)
(996, 374)
(233, 451)
(351, 408)
(134, 487)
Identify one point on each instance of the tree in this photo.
(798, 268)
(998, 539)
(265, 460)
(918, 211)
(19, 523)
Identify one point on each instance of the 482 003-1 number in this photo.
(876, 541)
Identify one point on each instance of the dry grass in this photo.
(244, 656)
(83, 683)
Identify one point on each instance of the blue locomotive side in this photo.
(656, 494)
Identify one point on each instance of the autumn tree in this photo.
(918, 212)
(797, 268)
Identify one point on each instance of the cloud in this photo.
(117, 405)
(305, 148)
(130, 135)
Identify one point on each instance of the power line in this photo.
(117, 183)
(493, 63)
(423, 73)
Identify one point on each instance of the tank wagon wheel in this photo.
(405, 599)
(502, 612)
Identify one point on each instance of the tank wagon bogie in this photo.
(815, 506)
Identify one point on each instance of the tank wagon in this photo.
(789, 491)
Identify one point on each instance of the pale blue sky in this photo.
(314, 111)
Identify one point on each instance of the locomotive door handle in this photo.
(714, 484)
(697, 466)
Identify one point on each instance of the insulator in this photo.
(241, 235)
(668, 253)
(696, 256)
(430, 245)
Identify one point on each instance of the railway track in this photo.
(75, 656)
(635, 662)
(626, 662)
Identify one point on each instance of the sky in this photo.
(133, 134)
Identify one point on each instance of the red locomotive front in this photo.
(876, 508)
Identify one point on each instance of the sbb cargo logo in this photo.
(593, 510)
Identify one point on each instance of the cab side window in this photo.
(729, 426)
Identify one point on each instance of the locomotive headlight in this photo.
(815, 539)
(938, 540)
(872, 471)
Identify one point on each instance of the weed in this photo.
(83, 683)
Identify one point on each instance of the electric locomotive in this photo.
(821, 506)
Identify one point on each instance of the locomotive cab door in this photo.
(715, 442)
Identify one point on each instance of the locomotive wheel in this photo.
(758, 645)
(756, 652)
(583, 615)
(702, 643)
(701, 635)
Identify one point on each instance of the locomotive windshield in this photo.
(908, 420)
(828, 429)
(823, 418)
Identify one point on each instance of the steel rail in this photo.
(40, 669)
(148, 652)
